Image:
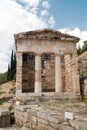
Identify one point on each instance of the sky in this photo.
(67, 16)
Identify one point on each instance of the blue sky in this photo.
(67, 16)
(69, 13)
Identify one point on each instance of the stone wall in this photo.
(38, 118)
(35, 117)
(85, 88)
(48, 72)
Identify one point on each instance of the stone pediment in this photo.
(48, 34)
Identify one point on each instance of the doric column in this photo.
(58, 74)
(38, 83)
(75, 74)
(19, 74)
(68, 75)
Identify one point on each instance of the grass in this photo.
(84, 100)
(1, 102)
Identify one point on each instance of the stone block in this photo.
(39, 128)
(40, 120)
(64, 127)
(17, 103)
(4, 112)
(40, 124)
(34, 119)
(24, 128)
(5, 121)
(85, 81)
(49, 128)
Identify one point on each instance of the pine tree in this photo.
(11, 74)
(8, 73)
(84, 46)
(79, 50)
(83, 49)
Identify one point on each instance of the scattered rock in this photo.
(24, 128)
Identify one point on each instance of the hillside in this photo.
(7, 89)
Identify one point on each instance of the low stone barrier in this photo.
(4, 118)
(85, 88)
(38, 118)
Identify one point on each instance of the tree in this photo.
(11, 73)
(12, 67)
(79, 50)
(83, 49)
(84, 46)
(3, 77)
(8, 73)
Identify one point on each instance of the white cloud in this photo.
(46, 4)
(14, 19)
(3, 66)
(44, 13)
(51, 21)
(34, 10)
(31, 3)
(76, 32)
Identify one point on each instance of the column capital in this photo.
(38, 54)
(58, 54)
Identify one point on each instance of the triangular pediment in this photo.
(46, 34)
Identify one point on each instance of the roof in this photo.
(46, 34)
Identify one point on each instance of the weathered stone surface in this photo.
(4, 112)
(65, 127)
(5, 118)
(79, 125)
(42, 118)
(24, 128)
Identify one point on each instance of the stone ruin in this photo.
(47, 70)
(47, 62)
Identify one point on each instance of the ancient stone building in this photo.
(46, 62)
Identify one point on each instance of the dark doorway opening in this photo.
(28, 72)
(48, 73)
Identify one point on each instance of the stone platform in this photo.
(36, 117)
(28, 98)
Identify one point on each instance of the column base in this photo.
(38, 87)
(57, 90)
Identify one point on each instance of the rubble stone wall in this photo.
(37, 118)
(85, 88)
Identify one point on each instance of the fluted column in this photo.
(58, 74)
(38, 83)
(19, 74)
(75, 74)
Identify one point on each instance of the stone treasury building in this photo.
(47, 62)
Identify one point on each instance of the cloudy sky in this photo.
(68, 16)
